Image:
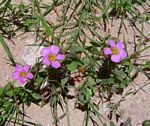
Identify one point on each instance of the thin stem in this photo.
(141, 37)
(87, 117)
(67, 112)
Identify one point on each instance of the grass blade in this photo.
(6, 48)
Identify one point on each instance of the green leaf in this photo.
(146, 123)
(147, 65)
(64, 81)
(6, 48)
(72, 67)
(90, 81)
(7, 104)
(77, 49)
(6, 7)
(94, 43)
(10, 93)
(5, 89)
(36, 96)
(124, 83)
(111, 123)
(95, 108)
(40, 78)
(49, 30)
(104, 124)
(88, 94)
(92, 50)
(120, 74)
(37, 4)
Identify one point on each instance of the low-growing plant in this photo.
(74, 55)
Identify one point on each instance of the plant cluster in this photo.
(75, 55)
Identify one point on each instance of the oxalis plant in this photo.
(78, 52)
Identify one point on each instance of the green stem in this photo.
(141, 37)
(67, 112)
(86, 118)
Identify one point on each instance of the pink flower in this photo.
(50, 56)
(116, 51)
(22, 73)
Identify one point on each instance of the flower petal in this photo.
(123, 53)
(107, 51)
(29, 75)
(19, 67)
(116, 58)
(45, 51)
(46, 61)
(56, 64)
(15, 75)
(54, 49)
(111, 43)
(22, 79)
(120, 45)
(26, 68)
(60, 56)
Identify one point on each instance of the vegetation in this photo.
(80, 31)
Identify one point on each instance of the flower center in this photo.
(115, 50)
(22, 73)
(52, 57)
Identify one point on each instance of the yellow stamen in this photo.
(52, 57)
(22, 73)
(115, 50)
